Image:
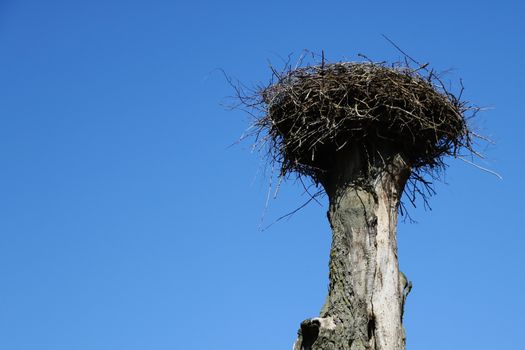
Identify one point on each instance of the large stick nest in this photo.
(310, 113)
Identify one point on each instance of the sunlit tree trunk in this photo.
(366, 295)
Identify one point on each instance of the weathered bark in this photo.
(365, 302)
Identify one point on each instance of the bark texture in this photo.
(364, 306)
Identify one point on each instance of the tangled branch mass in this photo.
(310, 113)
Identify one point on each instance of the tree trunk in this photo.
(366, 296)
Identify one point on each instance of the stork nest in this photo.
(310, 113)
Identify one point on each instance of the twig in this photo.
(481, 168)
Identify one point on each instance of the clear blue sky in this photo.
(126, 222)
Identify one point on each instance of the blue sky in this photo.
(127, 221)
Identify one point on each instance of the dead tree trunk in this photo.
(359, 129)
(365, 302)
